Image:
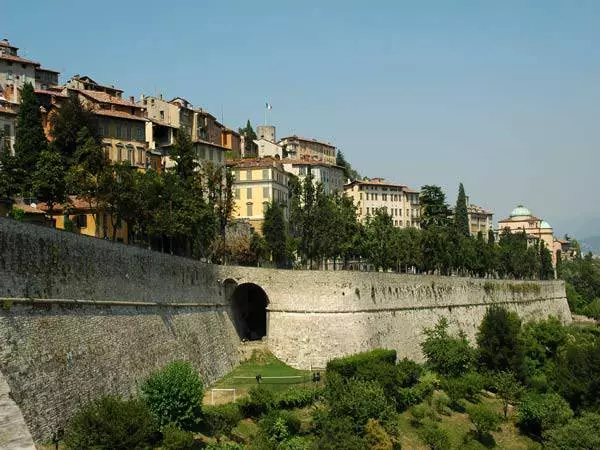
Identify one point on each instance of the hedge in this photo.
(349, 365)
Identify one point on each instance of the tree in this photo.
(249, 137)
(498, 341)
(508, 388)
(539, 413)
(484, 419)
(580, 433)
(379, 234)
(275, 233)
(174, 395)
(184, 156)
(10, 175)
(434, 209)
(71, 127)
(445, 354)
(30, 139)
(349, 172)
(48, 180)
(461, 213)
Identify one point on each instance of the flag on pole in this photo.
(268, 106)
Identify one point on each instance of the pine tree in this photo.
(461, 213)
(10, 175)
(30, 140)
(434, 210)
(184, 156)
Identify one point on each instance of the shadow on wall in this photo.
(249, 307)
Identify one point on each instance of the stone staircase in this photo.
(14, 434)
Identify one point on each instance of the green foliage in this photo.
(279, 426)
(578, 434)
(582, 276)
(349, 173)
(221, 419)
(259, 401)
(376, 437)
(359, 399)
(592, 309)
(176, 439)
(508, 388)
(445, 354)
(335, 431)
(434, 209)
(378, 231)
(498, 340)
(484, 419)
(275, 233)
(17, 214)
(435, 437)
(348, 366)
(112, 422)
(423, 413)
(30, 139)
(461, 213)
(48, 179)
(539, 413)
(10, 175)
(174, 395)
(298, 397)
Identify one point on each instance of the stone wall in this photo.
(82, 317)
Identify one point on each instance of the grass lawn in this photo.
(263, 363)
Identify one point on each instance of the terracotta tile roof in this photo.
(120, 114)
(298, 138)
(43, 69)
(103, 97)
(254, 162)
(309, 162)
(28, 209)
(75, 203)
(18, 59)
(54, 93)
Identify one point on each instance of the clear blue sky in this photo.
(503, 96)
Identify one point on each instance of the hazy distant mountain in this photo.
(591, 244)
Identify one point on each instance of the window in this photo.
(140, 133)
(161, 112)
(237, 193)
(302, 171)
(248, 175)
(266, 192)
(249, 210)
(248, 192)
(367, 210)
(118, 131)
(384, 197)
(211, 154)
(202, 153)
(81, 221)
(400, 211)
(130, 155)
(119, 152)
(360, 196)
(367, 196)
(265, 174)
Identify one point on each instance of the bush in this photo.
(245, 432)
(456, 389)
(298, 397)
(112, 422)
(407, 397)
(376, 437)
(408, 373)
(335, 432)
(423, 412)
(296, 443)
(577, 434)
(348, 366)
(176, 439)
(484, 419)
(225, 446)
(441, 404)
(259, 401)
(220, 420)
(447, 355)
(593, 309)
(174, 394)
(498, 340)
(359, 399)
(435, 437)
(539, 413)
(279, 426)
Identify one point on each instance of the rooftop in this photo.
(119, 114)
(307, 162)
(254, 162)
(103, 97)
(86, 79)
(298, 138)
(478, 209)
(4, 43)
(18, 59)
(379, 182)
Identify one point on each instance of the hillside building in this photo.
(295, 147)
(329, 175)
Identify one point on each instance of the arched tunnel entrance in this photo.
(249, 307)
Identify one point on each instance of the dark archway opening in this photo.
(249, 306)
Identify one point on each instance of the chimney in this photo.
(132, 99)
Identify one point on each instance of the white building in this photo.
(268, 148)
(329, 175)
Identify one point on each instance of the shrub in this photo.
(423, 412)
(408, 373)
(359, 399)
(335, 432)
(348, 366)
(407, 397)
(225, 446)
(456, 389)
(484, 419)
(435, 437)
(296, 443)
(298, 397)
(376, 437)
(578, 434)
(447, 355)
(441, 404)
(112, 422)
(593, 309)
(538, 413)
(245, 432)
(174, 394)
(279, 426)
(220, 420)
(176, 439)
(258, 402)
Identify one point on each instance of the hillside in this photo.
(591, 244)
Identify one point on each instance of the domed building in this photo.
(521, 219)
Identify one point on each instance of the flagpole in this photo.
(266, 107)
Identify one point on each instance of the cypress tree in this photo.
(461, 213)
(275, 232)
(30, 140)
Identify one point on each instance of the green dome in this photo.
(545, 225)
(520, 211)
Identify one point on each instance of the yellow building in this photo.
(521, 219)
(480, 219)
(258, 182)
(397, 200)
